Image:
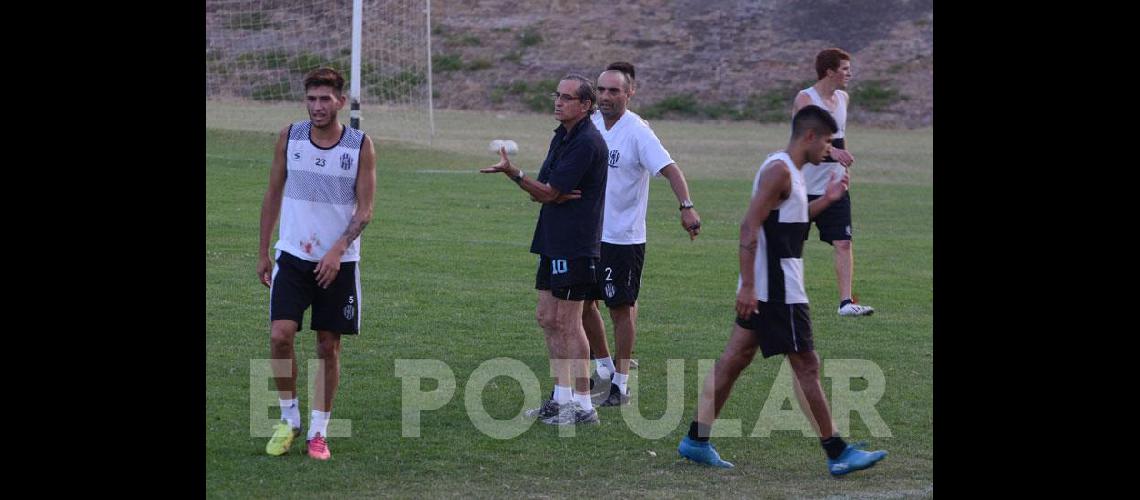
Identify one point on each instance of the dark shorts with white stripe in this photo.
(780, 328)
(335, 309)
(567, 279)
(834, 222)
(619, 278)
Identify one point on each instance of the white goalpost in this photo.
(258, 51)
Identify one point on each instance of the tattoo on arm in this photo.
(749, 247)
(354, 229)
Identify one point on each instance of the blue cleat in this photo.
(853, 459)
(702, 452)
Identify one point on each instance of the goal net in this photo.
(258, 51)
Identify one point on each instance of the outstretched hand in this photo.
(503, 165)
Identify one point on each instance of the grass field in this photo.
(447, 275)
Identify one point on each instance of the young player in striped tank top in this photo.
(321, 185)
(771, 305)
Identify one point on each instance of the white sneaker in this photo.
(571, 414)
(853, 309)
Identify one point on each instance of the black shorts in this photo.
(780, 328)
(619, 278)
(834, 222)
(335, 309)
(567, 279)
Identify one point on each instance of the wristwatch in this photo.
(519, 178)
(686, 204)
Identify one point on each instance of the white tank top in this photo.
(320, 194)
(816, 176)
(839, 113)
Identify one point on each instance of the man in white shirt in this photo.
(635, 154)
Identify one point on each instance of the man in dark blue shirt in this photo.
(572, 189)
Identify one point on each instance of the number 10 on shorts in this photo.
(558, 266)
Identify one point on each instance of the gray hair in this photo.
(586, 90)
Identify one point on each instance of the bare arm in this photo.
(539, 191)
(271, 208)
(365, 195)
(775, 185)
(329, 265)
(843, 156)
(802, 100)
(690, 219)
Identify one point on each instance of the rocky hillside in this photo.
(701, 59)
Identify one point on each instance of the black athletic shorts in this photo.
(335, 309)
(834, 222)
(780, 328)
(567, 279)
(619, 276)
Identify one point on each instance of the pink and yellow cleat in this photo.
(282, 438)
(318, 448)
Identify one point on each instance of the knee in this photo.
(620, 313)
(328, 347)
(730, 365)
(590, 312)
(805, 366)
(548, 320)
(280, 337)
(842, 245)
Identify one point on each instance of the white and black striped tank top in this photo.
(779, 265)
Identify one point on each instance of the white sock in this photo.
(605, 367)
(583, 400)
(620, 379)
(562, 394)
(319, 423)
(290, 412)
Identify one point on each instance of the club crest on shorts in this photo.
(609, 290)
(350, 309)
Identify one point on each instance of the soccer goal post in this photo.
(258, 51)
